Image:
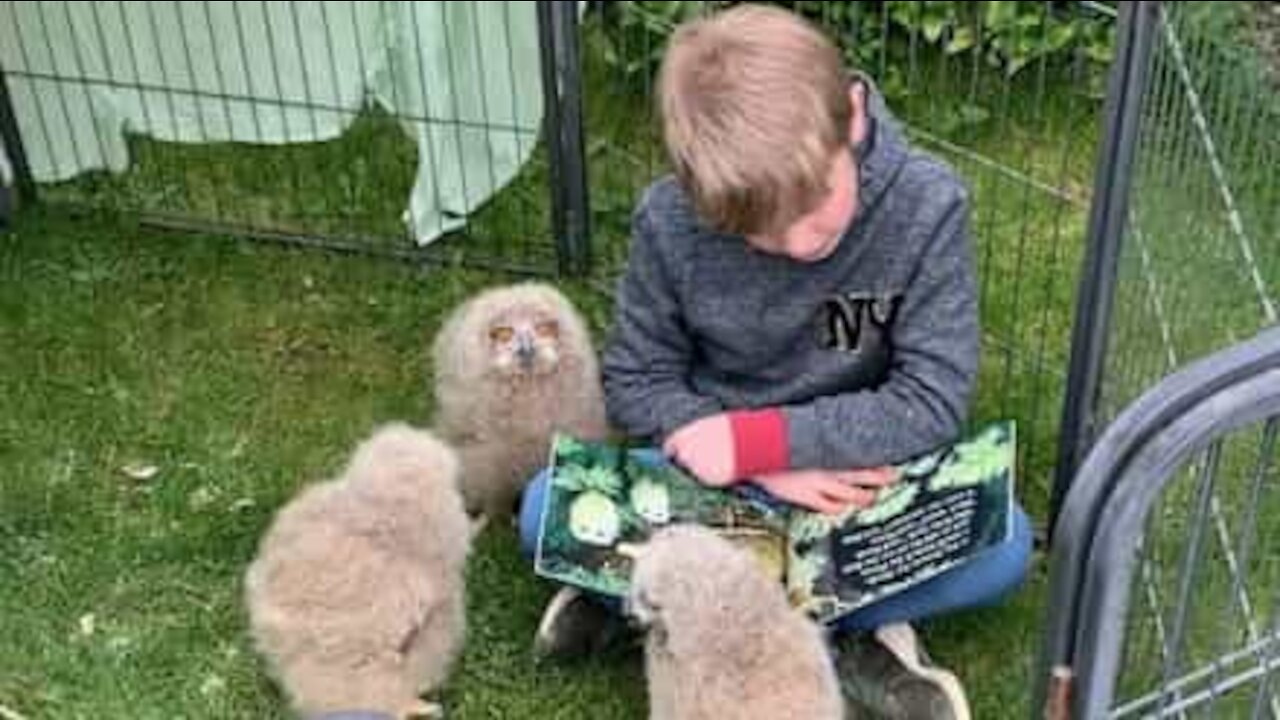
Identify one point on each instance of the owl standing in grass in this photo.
(513, 366)
(722, 642)
(356, 596)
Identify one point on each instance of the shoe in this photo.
(575, 626)
(888, 675)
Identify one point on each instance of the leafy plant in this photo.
(890, 36)
(1008, 35)
(637, 31)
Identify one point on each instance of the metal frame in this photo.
(11, 138)
(1103, 518)
(565, 132)
(1107, 219)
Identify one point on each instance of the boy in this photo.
(799, 311)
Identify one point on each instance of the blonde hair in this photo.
(754, 104)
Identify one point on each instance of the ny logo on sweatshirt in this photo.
(846, 320)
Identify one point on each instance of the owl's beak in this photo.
(637, 615)
(525, 350)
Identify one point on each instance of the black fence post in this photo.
(562, 90)
(11, 139)
(1107, 219)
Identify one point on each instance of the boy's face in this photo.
(816, 235)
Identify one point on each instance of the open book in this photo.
(603, 500)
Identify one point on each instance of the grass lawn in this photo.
(241, 372)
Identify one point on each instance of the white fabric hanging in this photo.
(281, 72)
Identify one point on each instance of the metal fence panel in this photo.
(1009, 93)
(1107, 219)
(1164, 581)
(1201, 627)
(1165, 592)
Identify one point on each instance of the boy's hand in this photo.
(876, 477)
(705, 448)
(828, 491)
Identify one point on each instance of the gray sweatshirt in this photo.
(868, 356)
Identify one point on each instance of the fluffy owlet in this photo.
(356, 595)
(722, 642)
(513, 365)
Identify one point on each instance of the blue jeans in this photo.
(983, 581)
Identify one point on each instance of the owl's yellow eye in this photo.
(548, 329)
(502, 334)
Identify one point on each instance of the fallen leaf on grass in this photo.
(201, 498)
(9, 714)
(121, 645)
(141, 472)
(212, 684)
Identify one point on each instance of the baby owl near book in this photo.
(356, 596)
(722, 642)
(513, 365)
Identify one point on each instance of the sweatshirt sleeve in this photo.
(646, 361)
(924, 400)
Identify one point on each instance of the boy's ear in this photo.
(858, 122)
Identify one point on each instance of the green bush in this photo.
(1009, 35)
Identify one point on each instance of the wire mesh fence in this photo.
(1008, 93)
(1199, 267)
(372, 125)
(369, 126)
